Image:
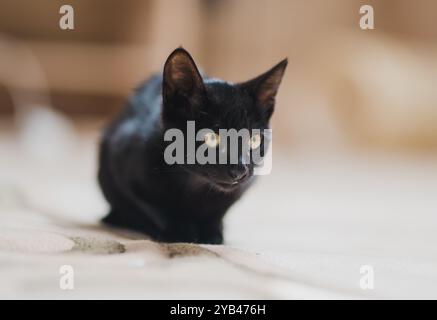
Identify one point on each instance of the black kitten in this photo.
(180, 202)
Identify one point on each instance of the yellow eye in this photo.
(212, 139)
(255, 141)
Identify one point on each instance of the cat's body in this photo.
(172, 202)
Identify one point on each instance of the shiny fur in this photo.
(181, 202)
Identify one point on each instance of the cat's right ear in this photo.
(183, 86)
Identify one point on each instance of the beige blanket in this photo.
(305, 231)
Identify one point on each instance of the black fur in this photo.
(179, 203)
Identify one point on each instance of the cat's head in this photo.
(214, 104)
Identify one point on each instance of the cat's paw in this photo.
(212, 235)
(194, 233)
(212, 239)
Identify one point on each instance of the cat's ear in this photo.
(182, 83)
(265, 87)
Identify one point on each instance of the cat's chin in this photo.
(221, 186)
(224, 187)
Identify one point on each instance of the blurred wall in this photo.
(89, 70)
(343, 84)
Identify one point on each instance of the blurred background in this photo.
(343, 85)
(354, 131)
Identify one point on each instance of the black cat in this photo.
(180, 202)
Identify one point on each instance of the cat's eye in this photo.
(212, 139)
(255, 141)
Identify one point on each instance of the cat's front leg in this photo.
(211, 233)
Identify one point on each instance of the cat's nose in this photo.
(238, 172)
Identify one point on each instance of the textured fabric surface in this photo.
(302, 232)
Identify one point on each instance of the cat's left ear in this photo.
(265, 87)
